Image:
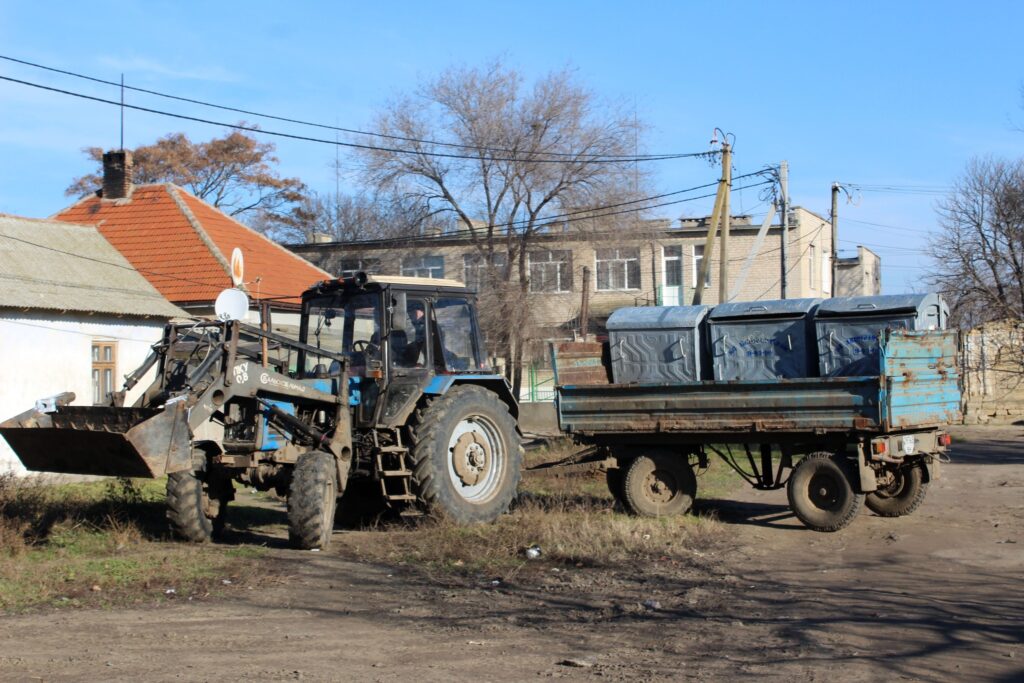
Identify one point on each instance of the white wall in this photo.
(48, 353)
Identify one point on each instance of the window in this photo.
(350, 266)
(345, 325)
(104, 369)
(475, 269)
(812, 261)
(673, 258)
(698, 259)
(423, 266)
(618, 269)
(409, 336)
(454, 319)
(550, 271)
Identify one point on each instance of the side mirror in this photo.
(398, 310)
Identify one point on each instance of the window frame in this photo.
(367, 264)
(415, 271)
(696, 265)
(678, 260)
(478, 266)
(547, 264)
(103, 370)
(624, 262)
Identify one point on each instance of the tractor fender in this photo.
(440, 384)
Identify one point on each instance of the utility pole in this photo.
(709, 242)
(784, 209)
(835, 234)
(723, 264)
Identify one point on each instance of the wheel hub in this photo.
(659, 488)
(824, 492)
(471, 458)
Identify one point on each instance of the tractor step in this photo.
(407, 497)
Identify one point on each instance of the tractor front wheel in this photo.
(197, 504)
(312, 498)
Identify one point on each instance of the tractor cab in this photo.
(400, 334)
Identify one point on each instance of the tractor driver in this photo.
(409, 342)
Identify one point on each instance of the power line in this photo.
(337, 143)
(899, 189)
(123, 86)
(891, 227)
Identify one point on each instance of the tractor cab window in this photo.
(349, 325)
(456, 341)
(409, 337)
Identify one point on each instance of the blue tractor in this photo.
(387, 393)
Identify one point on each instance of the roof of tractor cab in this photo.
(424, 282)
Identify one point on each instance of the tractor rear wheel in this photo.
(312, 499)
(820, 493)
(467, 457)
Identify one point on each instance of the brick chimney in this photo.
(117, 174)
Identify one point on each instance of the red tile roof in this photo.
(182, 245)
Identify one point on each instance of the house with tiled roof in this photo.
(183, 245)
(74, 316)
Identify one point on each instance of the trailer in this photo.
(835, 443)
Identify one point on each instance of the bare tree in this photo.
(235, 173)
(524, 154)
(349, 218)
(978, 258)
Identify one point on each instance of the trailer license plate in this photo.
(908, 444)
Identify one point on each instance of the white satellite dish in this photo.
(231, 304)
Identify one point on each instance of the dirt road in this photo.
(935, 596)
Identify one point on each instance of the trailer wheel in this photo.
(312, 499)
(659, 484)
(820, 493)
(902, 495)
(197, 508)
(467, 458)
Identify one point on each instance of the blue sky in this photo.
(876, 93)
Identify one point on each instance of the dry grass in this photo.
(572, 518)
(101, 544)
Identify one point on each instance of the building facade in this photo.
(655, 265)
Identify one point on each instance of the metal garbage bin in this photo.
(657, 344)
(849, 328)
(763, 340)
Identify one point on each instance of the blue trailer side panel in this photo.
(922, 382)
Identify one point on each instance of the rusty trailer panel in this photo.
(580, 363)
(847, 404)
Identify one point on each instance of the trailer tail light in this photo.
(945, 440)
(879, 447)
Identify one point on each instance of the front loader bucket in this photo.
(100, 440)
